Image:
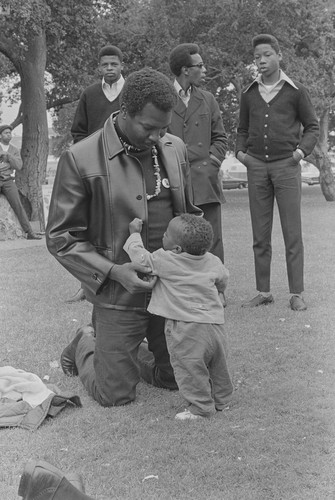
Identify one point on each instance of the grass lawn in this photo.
(275, 442)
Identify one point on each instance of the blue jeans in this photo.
(107, 365)
(279, 179)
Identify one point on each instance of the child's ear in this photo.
(177, 249)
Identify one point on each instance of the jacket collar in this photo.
(193, 104)
(110, 138)
(283, 77)
(113, 147)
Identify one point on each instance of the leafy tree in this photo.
(63, 38)
(60, 38)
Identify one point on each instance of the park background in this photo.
(53, 57)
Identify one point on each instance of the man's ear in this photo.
(123, 111)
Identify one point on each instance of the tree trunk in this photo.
(35, 126)
(321, 160)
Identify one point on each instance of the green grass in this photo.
(275, 442)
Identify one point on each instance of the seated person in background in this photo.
(10, 160)
(189, 294)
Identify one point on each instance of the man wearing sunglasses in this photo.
(197, 120)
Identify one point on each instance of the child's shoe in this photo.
(186, 415)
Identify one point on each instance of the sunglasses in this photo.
(199, 65)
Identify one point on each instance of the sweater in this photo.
(272, 131)
(92, 111)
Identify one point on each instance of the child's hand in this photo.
(135, 226)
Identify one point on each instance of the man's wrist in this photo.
(300, 152)
(112, 272)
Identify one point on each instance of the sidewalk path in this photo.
(8, 245)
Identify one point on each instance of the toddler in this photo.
(189, 294)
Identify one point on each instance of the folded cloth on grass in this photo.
(21, 385)
(25, 401)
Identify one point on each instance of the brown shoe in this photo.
(77, 297)
(259, 300)
(42, 481)
(297, 303)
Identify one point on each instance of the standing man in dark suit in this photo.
(197, 120)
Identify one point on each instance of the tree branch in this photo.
(58, 103)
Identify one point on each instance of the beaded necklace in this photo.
(154, 155)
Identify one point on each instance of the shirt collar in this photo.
(116, 85)
(180, 90)
(282, 78)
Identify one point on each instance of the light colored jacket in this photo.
(188, 286)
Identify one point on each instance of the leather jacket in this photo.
(97, 191)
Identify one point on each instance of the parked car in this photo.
(309, 173)
(310, 180)
(229, 182)
(234, 167)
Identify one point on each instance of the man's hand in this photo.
(298, 155)
(135, 226)
(241, 156)
(127, 275)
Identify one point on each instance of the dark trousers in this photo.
(107, 365)
(9, 189)
(279, 179)
(212, 213)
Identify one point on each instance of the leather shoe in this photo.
(43, 481)
(68, 356)
(259, 300)
(77, 297)
(33, 236)
(149, 371)
(297, 303)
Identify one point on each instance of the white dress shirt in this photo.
(112, 91)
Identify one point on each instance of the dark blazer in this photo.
(97, 191)
(200, 126)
